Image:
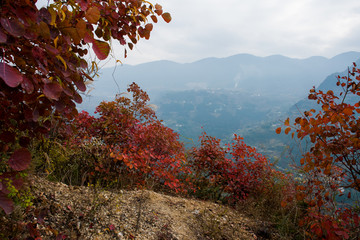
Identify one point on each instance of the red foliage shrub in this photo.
(131, 142)
(231, 172)
(332, 163)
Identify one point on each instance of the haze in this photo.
(209, 28)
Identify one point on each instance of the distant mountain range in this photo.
(274, 76)
(243, 87)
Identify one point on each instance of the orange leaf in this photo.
(149, 27)
(287, 130)
(92, 15)
(154, 18)
(158, 7)
(299, 196)
(287, 122)
(278, 130)
(348, 111)
(81, 28)
(167, 17)
(327, 170)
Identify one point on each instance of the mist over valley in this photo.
(241, 94)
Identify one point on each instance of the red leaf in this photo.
(27, 85)
(112, 227)
(80, 85)
(52, 90)
(101, 49)
(6, 203)
(3, 37)
(20, 159)
(83, 4)
(13, 27)
(11, 76)
(77, 98)
(7, 137)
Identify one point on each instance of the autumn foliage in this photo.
(128, 144)
(332, 165)
(229, 172)
(43, 66)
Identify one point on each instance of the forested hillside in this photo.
(69, 174)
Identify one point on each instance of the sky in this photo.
(212, 28)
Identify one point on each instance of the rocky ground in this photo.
(70, 212)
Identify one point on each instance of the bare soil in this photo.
(74, 212)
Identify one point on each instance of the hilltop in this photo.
(79, 212)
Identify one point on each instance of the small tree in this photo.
(134, 146)
(333, 161)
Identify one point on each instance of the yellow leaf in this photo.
(62, 60)
(55, 41)
(53, 16)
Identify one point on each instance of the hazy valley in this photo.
(241, 94)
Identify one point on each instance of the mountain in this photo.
(273, 77)
(242, 93)
(328, 84)
(276, 146)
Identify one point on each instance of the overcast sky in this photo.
(212, 28)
